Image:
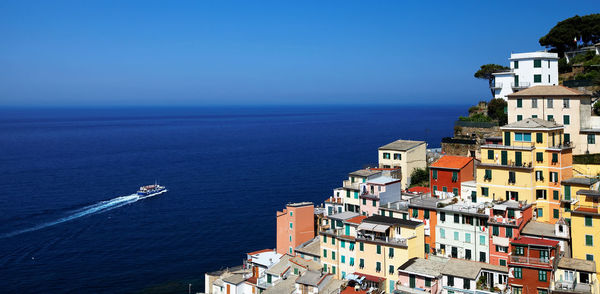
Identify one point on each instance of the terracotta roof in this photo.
(547, 91)
(260, 251)
(370, 278)
(535, 241)
(419, 189)
(351, 290)
(453, 162)
(356, 219)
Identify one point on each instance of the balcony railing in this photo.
(372, 237)
(573, 286)
(520, 85)
(496, 86)
(348, 184)
(505, 221)
(530, 260)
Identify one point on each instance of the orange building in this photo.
(448, 173)
(295, 225)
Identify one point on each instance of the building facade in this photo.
(295, 225)
(526, 70)
(447, 174)
(404, 155)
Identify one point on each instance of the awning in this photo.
(370, 278)
(381, 228)
(499, 207)
(366, 227)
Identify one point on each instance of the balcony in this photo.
(382, 238)
(530, 260)
(573, 286)
(520, 85)
(349, 185)
(504, 221)
(496, 86)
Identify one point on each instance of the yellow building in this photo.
(528, 166)
(585, 220)
(385, 243)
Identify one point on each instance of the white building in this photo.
(461, 231)
(461, 276)
(526, 70)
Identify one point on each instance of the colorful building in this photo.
(420, 274)
(531, 265)
(506, 221)
(377, 191)
(295, 225)
(404, 155)
(574, 275)
(424, 209)
(461, 232)
(528, 166)
(447, 174)
(585, 222)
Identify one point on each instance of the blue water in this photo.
(68, 220)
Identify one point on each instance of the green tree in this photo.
(562, 36)
(597, 107)
(497, 110)
(486, 71)
(419, 176)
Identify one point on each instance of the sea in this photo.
(70, 220)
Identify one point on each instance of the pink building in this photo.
(295, 225)
(421, 274)
(506, 222)
(380, 190)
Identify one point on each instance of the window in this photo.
(325, 267)
(591, 138)
(517, 290)
(589, 257)
(555, 213)
(466, 284)
(540, 194)
(351, 261)
(567, 192)
(519, 103)
(534, 103)
(519, 117)
(386, 155)
(378, 249)
(511, 213)
(450, 281)
(540, 212)
(391, 269)
(502, 249)
(490, 154)
(511, 177)
(378, 266)
(495, 231)
(434, 174)
(537, 63)
(485, 191)
(482, 257)
(523, 137)
(589, 240)
(539, 175)
(518, 273)
(488, 174)
(455, 191)
(374, 203)
(468, 254)
(361, 246)
(434, 188)
(415, 213)
(344, 242)
(539, 138)
(588, 221)
(539, 156)
(291, 225)
(391, 252)
(542, 291)
(543, 276)
(324, 253)
(455, 236)
(333, 269)
(516, 64)
(456, 218)
(555, 195)
(566, 103)
(519, 250)
(534, 116)
(503, 262)
(361, 263)
(481, 240)
(454, 176)
(426, 248)
(397, 156)
(567, 137)
(554, 177)
(554, 157)
(467, 238)
(566, 120)
(442, 233)
(426, 214)
(537, 78)
(343, 259)
(442, 216)
(290, 238)
(509, 233)
(427, 282)
(333, 255)
(351, 246)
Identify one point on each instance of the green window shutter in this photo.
(378, 249)
(506, 139)
(502, 262)
(534, 116)
(348, 193)
(434, 174)
(496, 230)
(444, 189)
(566, 119)
(537, 63)
(364, 201)
(484, 191)
(555, 213)
(361, 263)
(567, 137)
(426, 214)
(591, 138)
(588, 221)
(455, 191)
(567, 192)
(539, 137)
(537, 78)
(490, 154)
(516, 64)
(361, 246)
(540, 212)
(550, 117)
(504, 157)
(509, 232)
(434, 189)
(539, 156)
(426, 248)
(325, 253)
(518, 158)
(488, 174)
(511, 213)
(333, 255)
(391, 252)
(454, 176)
(555, 195)
(374, 203)
(554, 157)
(519, 103)
(519, 117)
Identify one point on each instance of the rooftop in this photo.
(424, 202)
(537, 91)
(418, 189)
(452, 162)
(281, 267)
(299, 204)
(344, 215)
(580, 181)
(535, 241)
(532, 123)
(534, 54)
(422, 266)
(311, 278)
(312, 247)
(540, 229)
(380, 219)
(580, 265)
(356, 219)
(466, 208)
(364, 172)
(383, 180)
(401, 145)
(401, 205)
(265, 258)
(283, 286)
(468, 269)
(590, 193)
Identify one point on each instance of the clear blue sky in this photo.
(262, 52)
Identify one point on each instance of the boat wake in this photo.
(99, 207)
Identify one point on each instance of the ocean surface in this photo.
(69, 221)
